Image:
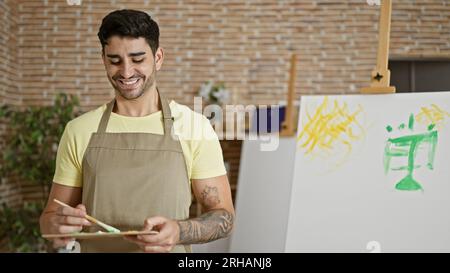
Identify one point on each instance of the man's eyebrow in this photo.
(133, 54)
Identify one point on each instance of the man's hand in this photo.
(66, 220)
(216, 222)
(164, 241)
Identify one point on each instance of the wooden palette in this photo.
(96, 235)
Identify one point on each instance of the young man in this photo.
(132, 162)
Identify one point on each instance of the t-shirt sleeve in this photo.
(207, 156)
(68, 168)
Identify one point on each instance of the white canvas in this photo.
(262, 200)
(346, 195)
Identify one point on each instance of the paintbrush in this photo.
(92, 219)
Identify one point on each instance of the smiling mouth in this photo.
(128, 84)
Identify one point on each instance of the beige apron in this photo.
(129, 177)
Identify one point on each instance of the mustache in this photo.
(119, 77)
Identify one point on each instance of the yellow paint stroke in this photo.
(331, 124)
(432, 115)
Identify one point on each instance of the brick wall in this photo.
(9, 189)
(246, 44)
(8, 53)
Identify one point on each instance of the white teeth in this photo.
(129, 82)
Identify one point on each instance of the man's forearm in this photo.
(210, 226)
(44, 221)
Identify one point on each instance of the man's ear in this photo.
(159, 58)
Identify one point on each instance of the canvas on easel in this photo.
(371, 169)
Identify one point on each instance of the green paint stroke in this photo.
(411, 122)
(389, 128)
(408, 146)
(401, 127)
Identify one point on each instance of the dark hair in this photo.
(129, 23)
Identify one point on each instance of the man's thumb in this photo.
(81, 206)
(150, 223)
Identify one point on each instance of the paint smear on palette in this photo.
(332, 128)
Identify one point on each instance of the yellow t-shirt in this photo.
(199, 142)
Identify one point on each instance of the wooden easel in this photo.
(381, 76)
(287, 127)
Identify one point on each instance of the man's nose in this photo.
(127, 70)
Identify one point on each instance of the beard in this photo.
(135, 90)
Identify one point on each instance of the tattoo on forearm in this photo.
(210, 226)
(210, 196)
(213, 225)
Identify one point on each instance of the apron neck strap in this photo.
(166, 115)
(105, 117)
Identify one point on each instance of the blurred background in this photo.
(51, 70)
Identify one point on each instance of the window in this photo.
(420, 75)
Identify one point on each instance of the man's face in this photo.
(130, 65)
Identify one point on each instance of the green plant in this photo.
(20, 226)
(30, 153)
